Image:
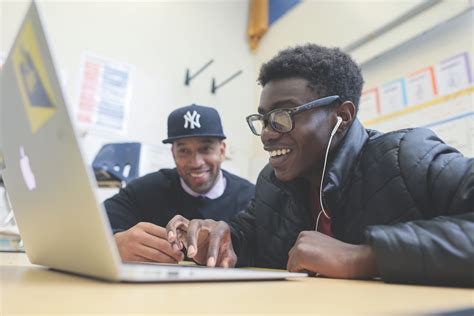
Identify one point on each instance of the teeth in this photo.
(279, 152)
(197, 174)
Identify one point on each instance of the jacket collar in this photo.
(340, 165)
(343, 162)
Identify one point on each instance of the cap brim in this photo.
(172, 139)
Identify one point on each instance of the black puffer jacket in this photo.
(372, 179)
(435, 251)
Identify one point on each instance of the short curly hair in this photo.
(328, 70)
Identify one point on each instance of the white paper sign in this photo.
(421, 86)
(393, 96)
(453, 74)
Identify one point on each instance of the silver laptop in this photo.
(52, 191)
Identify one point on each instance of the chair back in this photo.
(117, 162)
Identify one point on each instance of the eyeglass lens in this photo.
(257, 125)
(280, 121)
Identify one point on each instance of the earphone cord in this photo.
(322, 180)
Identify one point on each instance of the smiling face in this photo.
(198, 161)
(299, 153)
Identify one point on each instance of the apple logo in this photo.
(26, 171)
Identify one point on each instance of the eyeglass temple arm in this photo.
(317, 103)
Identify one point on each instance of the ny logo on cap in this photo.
(192, 120)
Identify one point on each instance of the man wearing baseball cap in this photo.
(197, 189)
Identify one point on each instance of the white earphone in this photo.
(336, 127)
(323, 211)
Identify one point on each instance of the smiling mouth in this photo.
(277, 153)
(198, 174)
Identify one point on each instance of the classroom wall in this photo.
(448, 39)
(160, 39)
(450, 114)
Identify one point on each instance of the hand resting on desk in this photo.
(147, 242)
(327, 256)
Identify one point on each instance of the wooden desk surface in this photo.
(26, 288)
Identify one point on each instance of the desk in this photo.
(27, 288)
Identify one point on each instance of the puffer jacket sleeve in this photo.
(437, 176)
(435, 251)
(244, 235)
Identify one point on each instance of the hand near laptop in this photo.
(147, 242)
(207, 242)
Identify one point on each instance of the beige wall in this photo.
(162, 38)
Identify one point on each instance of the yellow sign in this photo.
(32, 77)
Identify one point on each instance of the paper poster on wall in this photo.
(421, 86)
(450, 116)
(104, 94)
(369, 104)
(453, 74)
(393, 96)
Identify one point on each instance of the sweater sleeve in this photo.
(435, 251)
(122, 209)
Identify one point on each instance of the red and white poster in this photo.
(369, 104)
(421, 86)
(104, 94)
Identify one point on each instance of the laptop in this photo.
(52, 191)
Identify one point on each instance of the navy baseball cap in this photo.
(192, 121)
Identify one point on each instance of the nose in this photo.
(197, 160)
(269, 134)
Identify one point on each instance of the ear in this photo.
(172, 152)
(346, 111)
(222, 149)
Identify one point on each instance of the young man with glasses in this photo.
(329, 200)
(196, 188)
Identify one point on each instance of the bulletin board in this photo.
(440, 97)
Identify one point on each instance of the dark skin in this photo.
(209, 242)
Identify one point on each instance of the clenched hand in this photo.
(327, 256)
(147, 242)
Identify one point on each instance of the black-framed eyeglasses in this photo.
(281, 120)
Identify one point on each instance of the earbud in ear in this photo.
(336, 127)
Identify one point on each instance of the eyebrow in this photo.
(208, 141)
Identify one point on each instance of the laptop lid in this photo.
(50, 188)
